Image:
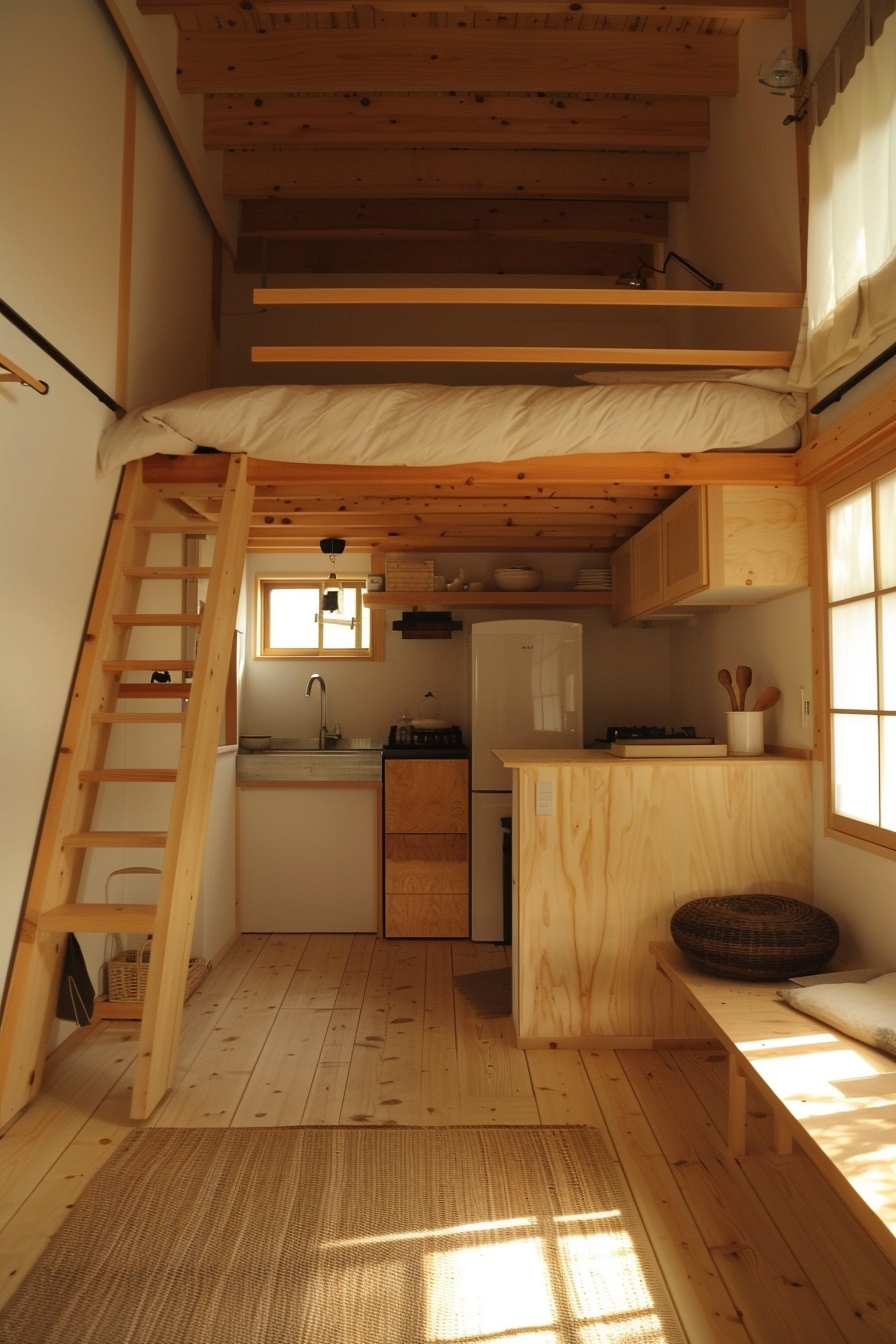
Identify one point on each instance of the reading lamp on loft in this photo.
(637, 279)
(332, 546)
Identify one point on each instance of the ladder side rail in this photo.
(191, 804)
(30, 1003)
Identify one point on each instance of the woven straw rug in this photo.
(349, 1236)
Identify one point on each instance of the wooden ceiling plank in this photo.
(608, 221)
(477, 120)
(517, 354)
(512, 294)
(709, 9)
(439, 257)
(570, 174)
(362, 512)
(407, 60)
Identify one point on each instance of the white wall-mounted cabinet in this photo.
(717, 545)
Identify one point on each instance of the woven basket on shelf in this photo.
(755, 937)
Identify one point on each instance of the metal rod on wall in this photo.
(48, 349)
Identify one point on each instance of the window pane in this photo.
(888, 649)
(888, 774)
(291, 615)
(854, 656)
(856, 768)
(850, 554)
(886, 513)
(339, 636)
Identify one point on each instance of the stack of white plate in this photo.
(592, 581)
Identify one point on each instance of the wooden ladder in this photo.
(53, 905)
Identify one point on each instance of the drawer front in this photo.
(427, 796)
(426, 863)
(410, 915)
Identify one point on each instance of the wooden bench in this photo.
(836, 1096)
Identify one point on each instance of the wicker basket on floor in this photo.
(128, 972)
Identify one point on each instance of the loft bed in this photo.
(675, 401)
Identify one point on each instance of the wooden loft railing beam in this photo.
(517, 354)
(555, 295)
(613, 472)
(441, 60)
(10, 372)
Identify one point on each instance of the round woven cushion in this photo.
(755, 937)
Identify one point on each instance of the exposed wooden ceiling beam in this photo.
(442, 59)
(428, 541)
(548, 220)
(736, 10)
(474, 120)
(516, 294)
(517, 354)
(392, 256)
(470, 173)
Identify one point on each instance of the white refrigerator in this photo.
(526, 692)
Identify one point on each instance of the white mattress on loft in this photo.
(420, 424)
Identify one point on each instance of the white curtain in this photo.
(851, 269)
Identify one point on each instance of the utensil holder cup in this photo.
(746, 733)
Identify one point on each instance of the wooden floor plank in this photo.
(860, 1283)
(440, 1094)
(760, 1271)
(51, 1124)
(687, 1265)
(383, 1085)
(367, 1021)
(213, 1087)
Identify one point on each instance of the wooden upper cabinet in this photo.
(717, 545)
(427, 796)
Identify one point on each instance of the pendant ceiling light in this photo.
(332, 598)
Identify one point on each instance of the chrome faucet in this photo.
(325, 734)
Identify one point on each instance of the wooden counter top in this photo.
(594, 756)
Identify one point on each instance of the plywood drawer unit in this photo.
(426, 857)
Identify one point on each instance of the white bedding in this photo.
(419, 424)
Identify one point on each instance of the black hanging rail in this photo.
(48, 349)
(850, 383)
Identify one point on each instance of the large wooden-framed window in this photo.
(858, 517)
(295, 619)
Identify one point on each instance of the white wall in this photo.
(62, 91)
(773, 638)
(626, 670)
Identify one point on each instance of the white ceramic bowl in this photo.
(517, 580)
(255, 742)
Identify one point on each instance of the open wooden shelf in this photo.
(543, 597)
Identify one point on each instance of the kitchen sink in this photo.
(349, 759)
(288, 746)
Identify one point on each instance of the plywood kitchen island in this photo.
(605, 849)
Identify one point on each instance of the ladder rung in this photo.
(97, 917)
(147, 665)
(156, 618)
(115, 840)
(201, 527)
(158, 690)
(127, 776)
(113, 716)
(167, 572)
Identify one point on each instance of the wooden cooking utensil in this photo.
(765, 699)
(725, 679)
(743, 676)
